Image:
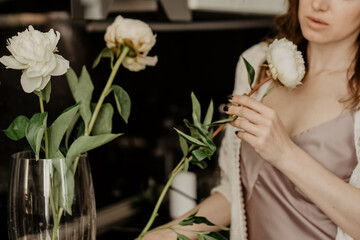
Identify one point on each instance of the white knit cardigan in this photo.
(229, 153)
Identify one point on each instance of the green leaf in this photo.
(58, 154)
(182, 237)
(203, 220)
(193, 132)
(206, 237)
(209, 114)
(45, 93)
(189, 220)
(226, 120)
(202, 153)
(70, 129)
(251, 72)
(194, 214)
(123, 102)
(64, 183)
(16, 130)
(201, 164)
(82, 90)
(217, 236)
(72, 79)
(202, 132)
(190, 139)
(103, 123)
(35, 130)
(204, 135)
(194, 219)
(195, 106)
(57, 130)
(80, 130)
(201, 237)
(87, 143)
(186, 165)
(184, 146)
(105, 53)
(188, 124)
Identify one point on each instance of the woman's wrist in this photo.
(289, 157)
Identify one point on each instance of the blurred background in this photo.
(198, 45)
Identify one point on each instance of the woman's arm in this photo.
(337, 199)
(260, 126)
(215, 208)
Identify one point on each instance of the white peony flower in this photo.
(134, 34)
(286, 63)
(33, 52)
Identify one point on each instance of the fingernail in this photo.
(226, 108)
(230, 97)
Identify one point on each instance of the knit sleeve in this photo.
(229, 149)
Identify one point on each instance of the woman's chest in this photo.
(302, 109)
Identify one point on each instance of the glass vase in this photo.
(51, 199)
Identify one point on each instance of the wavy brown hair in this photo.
(288, 26)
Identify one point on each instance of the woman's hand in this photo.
(261, 127)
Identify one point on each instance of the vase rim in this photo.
(29, 155)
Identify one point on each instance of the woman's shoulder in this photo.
(256, 53)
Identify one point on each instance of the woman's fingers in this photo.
(249, 138)
(244, 112)
(247, 126)
(248, 102)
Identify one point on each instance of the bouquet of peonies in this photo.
(86, 125)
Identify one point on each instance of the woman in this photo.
(299, 148)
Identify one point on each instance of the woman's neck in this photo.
(330, 57)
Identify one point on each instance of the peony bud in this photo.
(136, 35)
(286, 63)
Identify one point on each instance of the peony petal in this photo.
(132, 65)
(30, 84)
(42, 68)
(285, 62)
(139, 63)
(50, 66)
(11, 62)
(151, 61)
(44, 82)
(130, 30)
(53, 38)
(62, 65)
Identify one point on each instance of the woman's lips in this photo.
(316, 23)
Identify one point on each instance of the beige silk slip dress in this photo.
(275, 208)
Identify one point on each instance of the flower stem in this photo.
(218, 130)
(55, 217)
(45, 132)
(179, 168)
(259, 85)
(104, 93)
(154, 214)
(183, 160)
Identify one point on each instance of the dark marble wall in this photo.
(199, 61)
